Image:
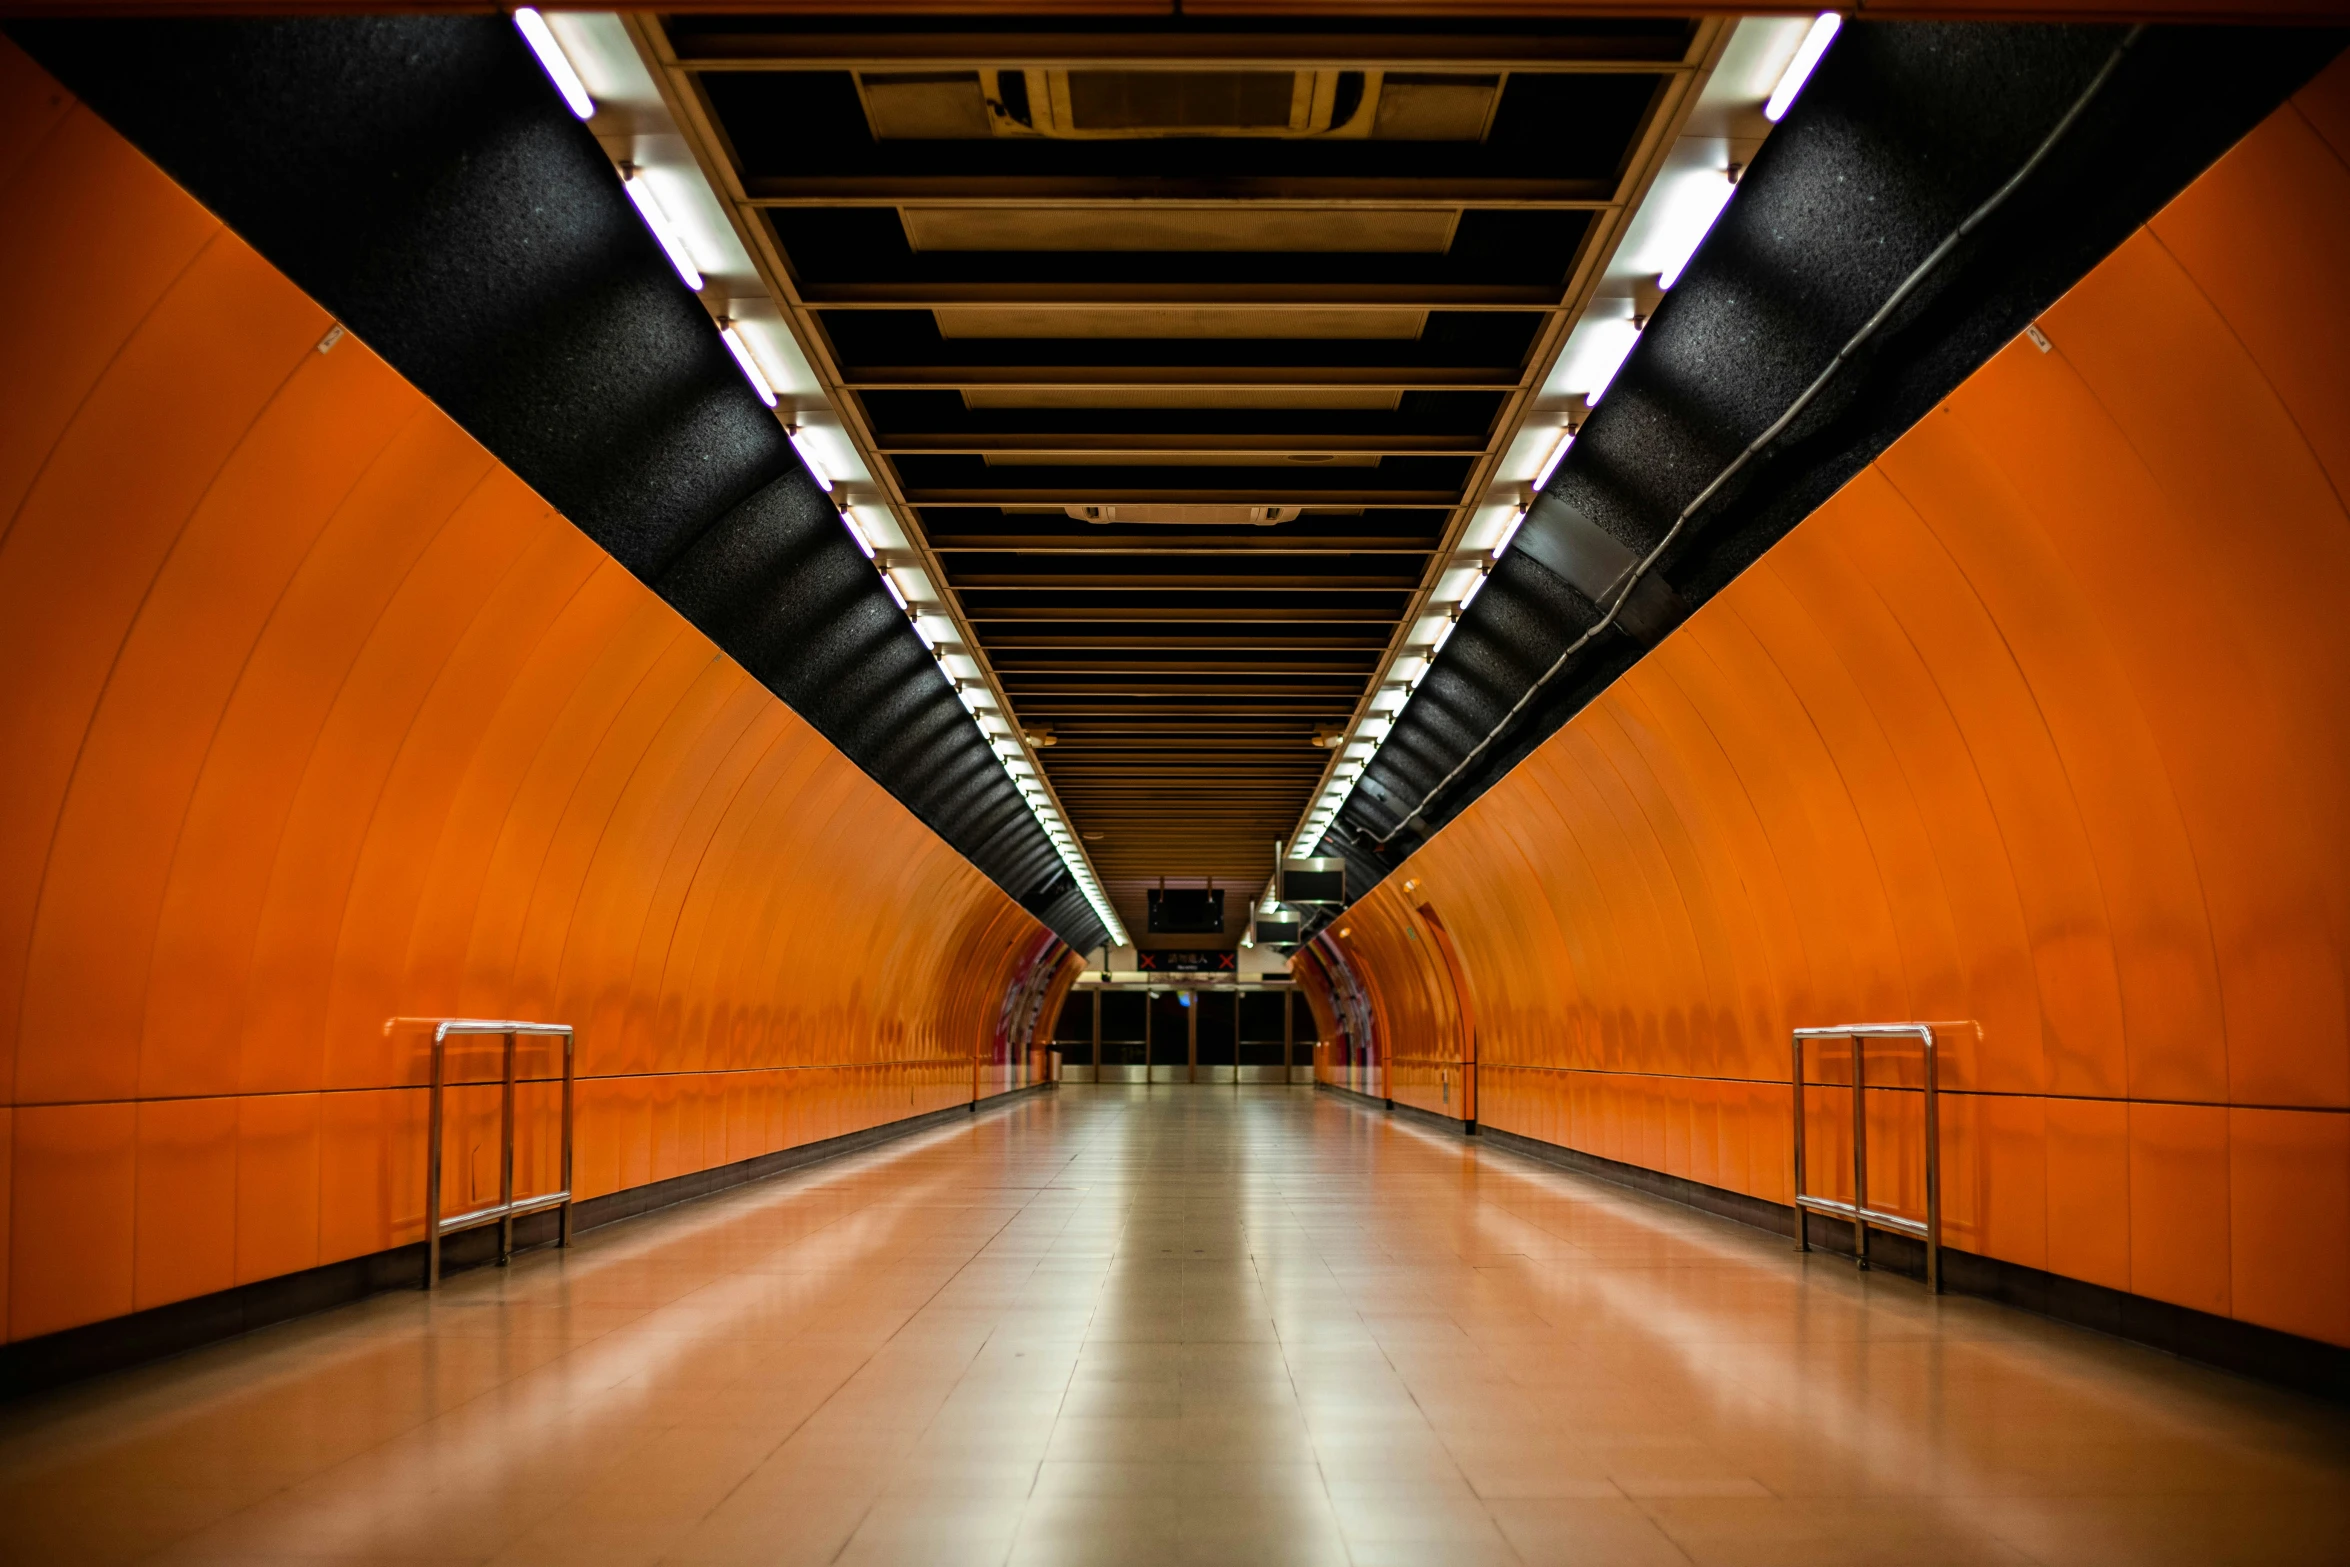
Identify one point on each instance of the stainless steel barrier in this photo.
(1858, 1210)
(508, 1207)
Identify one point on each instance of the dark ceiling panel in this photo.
(420, 179)
(1028, 323)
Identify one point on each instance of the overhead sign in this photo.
(1187, 962)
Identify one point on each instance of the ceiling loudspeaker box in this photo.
(1187, 911)
(1313, 881)
(1188, 516)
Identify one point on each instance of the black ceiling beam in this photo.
(1101, 293)
(1435, 192)
(1466, 44)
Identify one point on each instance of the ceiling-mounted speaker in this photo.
(1187, 911)
(1281, 933)
(1180, 516)
(1316, 881)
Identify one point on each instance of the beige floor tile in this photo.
(1175, 1327)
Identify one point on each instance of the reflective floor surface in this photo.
(1187, 1324)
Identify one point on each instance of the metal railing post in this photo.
(1865, 1218)
(432, 1170)
(563, 1223)
(508, 1207)
(1860, 1157)
(506, 1157)
(1802, 1214)
(1933, 1171)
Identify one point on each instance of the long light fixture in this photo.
(555, 63)
(857, 533)
(1692, 218)
(1697, 204)
(815, 468)
(1008, 752)
(1558, 454)
(648, 207)
(1509, 531)
(1013, 760)
(1616, 347)
(1807, 58)
(741, 350)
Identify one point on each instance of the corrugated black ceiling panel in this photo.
(1903, 131)
(419, 178)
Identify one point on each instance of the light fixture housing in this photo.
(1807, 59)
(856, 533)
(741, 350)
(555, 63)
(808, 459)
(1509, 531)
(1697, 205)
(665, 233)
(1622, 337)
(1550, 464)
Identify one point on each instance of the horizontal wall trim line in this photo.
(53, 1360)
(2271, 1355)
(960, 1064)
(1889, 1088)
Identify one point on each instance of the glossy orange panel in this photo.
(186, 1231)
(73, 1199)
(2038, 731)
(338, 722)
(2289, 1220)
(277, 1184)
(371, 1158)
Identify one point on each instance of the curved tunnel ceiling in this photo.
(1903, 131)
(418, 178)
(1185, 349)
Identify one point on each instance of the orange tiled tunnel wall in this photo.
(2043, 723)
(314, 716)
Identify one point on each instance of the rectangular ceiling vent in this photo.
(1128, 105)
(1189, 516)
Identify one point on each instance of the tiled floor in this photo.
(1176, 1324)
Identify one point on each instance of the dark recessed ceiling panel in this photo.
(1187, 346)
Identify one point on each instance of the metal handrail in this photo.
(508, 1207)
(1858, 1210)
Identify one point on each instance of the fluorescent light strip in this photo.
(863, 543)
(648, 207)
(815, 468)
(556, 64)
(1807, 59)
(895, 593)
(750, 367)
(1509, 531)
(1623, 342)
(1550, 464)
(1698, 214)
